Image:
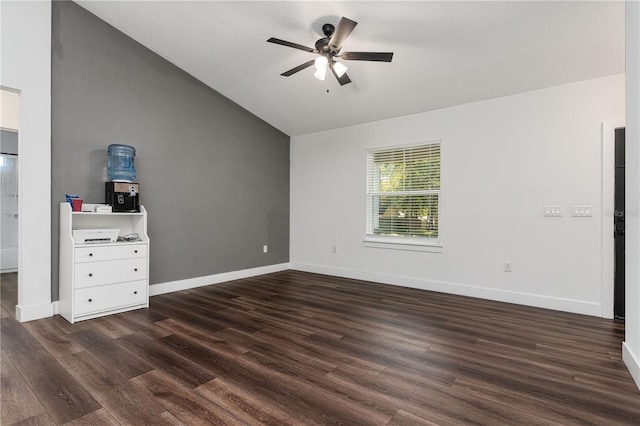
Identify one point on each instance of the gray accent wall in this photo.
(213, 177)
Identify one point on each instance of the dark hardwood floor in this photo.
(8, 293)
(303, 349)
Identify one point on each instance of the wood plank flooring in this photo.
(294, 348)
(8, 294)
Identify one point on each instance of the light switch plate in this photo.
(552, 211)
(581, 210)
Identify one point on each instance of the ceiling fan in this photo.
(328, 49)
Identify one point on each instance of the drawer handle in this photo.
(135, 292)
(135, 269)
(90, 274)
(90, 254)
(90, 300)
(135, 251)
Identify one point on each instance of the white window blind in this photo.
(403, 192)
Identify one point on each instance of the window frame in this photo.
(399, 242)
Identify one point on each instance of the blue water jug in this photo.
(120, 163)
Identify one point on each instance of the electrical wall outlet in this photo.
(507, 266)
(333, 249)
(265, 248)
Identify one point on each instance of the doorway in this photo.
(9, 127)
(611, 215)
(619, 225)
(8, 201)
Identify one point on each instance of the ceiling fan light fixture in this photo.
(339, 68)
(321, 63)
(321, 67)
(320, 74)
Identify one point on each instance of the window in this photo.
(403, 194)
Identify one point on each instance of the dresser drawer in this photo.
(108, 297)
(100, 253)
(110, 272)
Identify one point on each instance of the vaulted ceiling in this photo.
(445, 52)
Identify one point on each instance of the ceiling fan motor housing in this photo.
(322, 46)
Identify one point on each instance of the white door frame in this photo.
(608, 211)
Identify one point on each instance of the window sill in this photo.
(399, 243)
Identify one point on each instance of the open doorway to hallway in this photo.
(9, 127)
(619, 225)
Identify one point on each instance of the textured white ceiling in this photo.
(445, 52)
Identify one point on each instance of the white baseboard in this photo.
(632, 363)
(171, 286)
(555, 303)
(29, 313)
(35, 312)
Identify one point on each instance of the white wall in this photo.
(26, 66)
(631, 347)
(502, 161)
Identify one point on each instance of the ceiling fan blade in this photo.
(342, 80)
(298, 68)
(344, 28)
(290, 44)
(367, 56)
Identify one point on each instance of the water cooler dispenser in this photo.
(122, 193)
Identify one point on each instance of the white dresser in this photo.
(104, 278)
